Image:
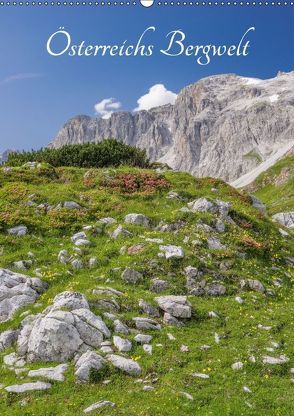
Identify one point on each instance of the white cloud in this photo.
(157, 95)
(20, 77)
(107, 106)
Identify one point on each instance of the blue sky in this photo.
(38, 92)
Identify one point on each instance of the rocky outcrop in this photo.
(62, 331)
(17, 291)
(221, 126)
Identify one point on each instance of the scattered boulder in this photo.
(77, 264)
(168, 319)
(70, 301)
(149, 309)
(237, 366)
(177, 306)
(71, 205)
(215, 289)
(23, 388)
(285, 218)
(99, 405)
(159, 285)
(215, 206)
(63, 256)
(171, 251)
(256, 203)
(214, 244)
(18, 231)
(146, 323)
(87, 362)
(120, 231)
(137, 219)
(120, 327)
(7, 338)
(123, 345)
(107, 220)
(125, 364)
(131, 276)
(17, 291)
(255, 285)
(143, 339)
(13, 360)
(50, 373)
(282, 359)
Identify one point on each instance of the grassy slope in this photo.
(222, 393)
(275, 187)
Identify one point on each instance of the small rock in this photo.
(143, 339)
(246, 389)
(120, 327)
(99, 405)
(88, 361)
(51, 373)
(171, 251)
(131, 276)
(18, 231)
(239, 300)
(120, 231)
(147, 348)
(148, 388)
(214, 244)
(22, 388)
(184, 348)
(125, 364)
(146, 323)
(200, 375)
(177, 306)
(266, 359)
(137, 219)
(149, 309)
(123, 345)
(71, 205)
(158, 285)
(237, 366)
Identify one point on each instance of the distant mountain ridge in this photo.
(221, 126)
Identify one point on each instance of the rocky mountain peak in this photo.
(222, 126)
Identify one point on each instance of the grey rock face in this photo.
(88, 361)
(58, 335)
(125, 364)
(17, 291)
(177, 306)
(285, 218)
(18, 231)
(23, 388)
(50, 373)
(137, 219)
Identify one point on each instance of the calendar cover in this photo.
(146, 208)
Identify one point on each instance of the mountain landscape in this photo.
(130, 288)
(224, 126)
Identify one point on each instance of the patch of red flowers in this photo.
(144, 182)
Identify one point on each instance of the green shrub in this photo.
(89, 155)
